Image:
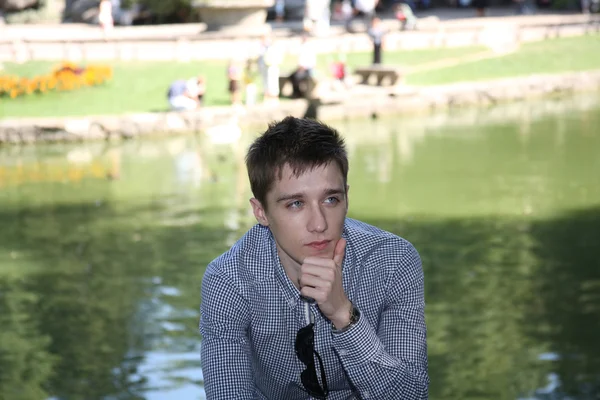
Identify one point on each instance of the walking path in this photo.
(185, 42)
(453, 61)
(429, 19)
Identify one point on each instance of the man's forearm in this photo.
(223, 379)
(376, 373)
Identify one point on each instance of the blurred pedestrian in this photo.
(342, 11)
(302, 76)
(481, 6)
(338, 70)
(185, 95)
(524, 7)
(279, 10)
(235, 75)
(377, 32)
(364, 9)
(316, 17)
(405, 15)
(250, 78)
(105, 17)
(269, 59)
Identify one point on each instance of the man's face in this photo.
(306, 213)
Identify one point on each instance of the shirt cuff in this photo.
(357, 345)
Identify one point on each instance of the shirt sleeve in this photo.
(390, 362)
(225, 349)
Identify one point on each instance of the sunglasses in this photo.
(305, 350)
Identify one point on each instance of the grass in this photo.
(142, 86)
(580, 53)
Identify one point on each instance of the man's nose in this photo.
(317, 221)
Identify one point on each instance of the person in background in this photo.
(316, 17)
(377, 32)
(269, 59)
(279, 10)
(481, 6)
(185, 95)
(265, 43)
(338, 69)
(342, 11)
(307, 61)
(235, 75)
(364, 9)
(105, 17)
(250, 78)
(585, 6)
(405, 15)
(524, 7)
(201, 88)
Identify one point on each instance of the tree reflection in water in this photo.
(100, 275)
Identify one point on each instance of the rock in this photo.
(18, 5)
(128, 128)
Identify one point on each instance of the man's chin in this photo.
(324, 253)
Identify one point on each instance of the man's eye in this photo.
(295, 204)
(332, 200)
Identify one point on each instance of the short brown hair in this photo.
(300, 143)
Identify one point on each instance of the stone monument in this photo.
(32, 11)
(228, 14)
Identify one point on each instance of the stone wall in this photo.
(46, 11)
(356, 103)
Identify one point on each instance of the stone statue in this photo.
(17, 5)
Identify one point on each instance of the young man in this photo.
(310, 303)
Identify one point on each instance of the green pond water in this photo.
(103, 247)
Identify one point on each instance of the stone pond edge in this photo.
(401, 100)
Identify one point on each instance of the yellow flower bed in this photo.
(65, 77)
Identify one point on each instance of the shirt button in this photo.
(343, 352)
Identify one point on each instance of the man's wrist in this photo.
(344, 317)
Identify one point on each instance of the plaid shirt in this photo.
(251, 312)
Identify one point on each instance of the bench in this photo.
(381, 73)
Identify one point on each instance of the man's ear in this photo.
(259, 212)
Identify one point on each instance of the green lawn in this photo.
(142, 86)
(580, 53)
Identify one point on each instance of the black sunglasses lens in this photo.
(311, 383)
(304, 344)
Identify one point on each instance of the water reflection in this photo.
(569, 308)
(103, 247)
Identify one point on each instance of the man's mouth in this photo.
(319, 245)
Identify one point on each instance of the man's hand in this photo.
(321, 279)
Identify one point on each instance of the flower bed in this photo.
(65, 77)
